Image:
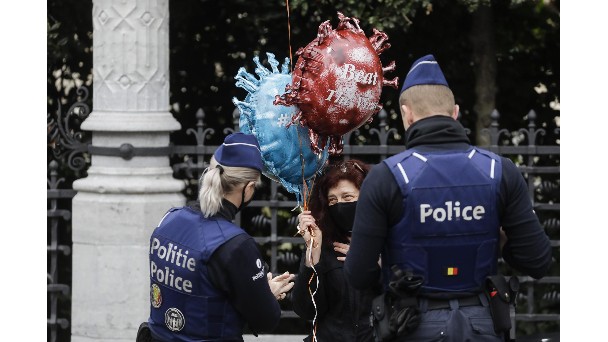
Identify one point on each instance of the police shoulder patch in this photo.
(156, 298)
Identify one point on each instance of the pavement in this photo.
(274, 338)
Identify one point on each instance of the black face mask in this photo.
(343, 215)
(243, 202)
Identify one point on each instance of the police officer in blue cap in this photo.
(207, 276)
(434, 212)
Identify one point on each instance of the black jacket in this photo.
(342, 311)
(379, 207)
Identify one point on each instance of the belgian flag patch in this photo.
(452, 271)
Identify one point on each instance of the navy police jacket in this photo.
(450, 228)
(184, 303)
(469, 250)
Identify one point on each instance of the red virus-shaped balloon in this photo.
(337, 82)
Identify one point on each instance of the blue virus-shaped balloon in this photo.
(285, 148)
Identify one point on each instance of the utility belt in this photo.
(397, 312)
(426, 304)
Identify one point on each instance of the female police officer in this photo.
(207, 277)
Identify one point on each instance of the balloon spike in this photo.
(273, 62)
(390, 67)
(245, 110)
(243, 74)
(324, 31)
(247, 85)
(347, 23)
(285, 66)
(243, 106)
(392, 83)
(246, 81)
(379, 41)
(261, 70)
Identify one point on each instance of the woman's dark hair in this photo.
(352, 170)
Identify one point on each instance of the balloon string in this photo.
(304, 191)
(304, 185)
(289, 35)
(312, 293)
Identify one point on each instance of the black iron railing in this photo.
(271, 218)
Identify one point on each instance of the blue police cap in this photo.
(241, 150)
(425, 70)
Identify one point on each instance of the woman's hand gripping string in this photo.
(313, 237)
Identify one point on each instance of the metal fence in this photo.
(271, 218)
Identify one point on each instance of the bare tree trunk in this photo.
(484, 59)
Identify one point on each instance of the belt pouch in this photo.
(379, 319)
(499, 299)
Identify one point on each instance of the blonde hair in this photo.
(215, 184)
(428, 99)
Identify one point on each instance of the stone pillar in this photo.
(121, 201)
